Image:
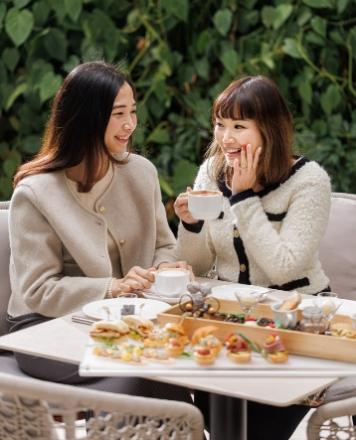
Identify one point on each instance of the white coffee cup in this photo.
(171, 281)
(205, 204)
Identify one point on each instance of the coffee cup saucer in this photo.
(153, 294)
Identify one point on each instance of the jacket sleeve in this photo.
(284, 254)
(38, 265)
(165, 240)
(196, 247)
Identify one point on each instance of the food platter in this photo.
(297, 366)
(296, 342)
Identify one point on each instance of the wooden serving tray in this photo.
(296, 342)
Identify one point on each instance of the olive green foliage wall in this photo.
(180, 54)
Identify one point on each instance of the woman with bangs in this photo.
(275, 212)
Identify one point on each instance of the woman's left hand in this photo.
(245, 170)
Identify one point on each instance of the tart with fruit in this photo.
(204, 337)
(274, 349)
(203, 355)
(238, 350)
(174, 347)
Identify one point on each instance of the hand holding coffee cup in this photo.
(205, 204)
(181, 208)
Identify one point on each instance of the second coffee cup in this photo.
(171, 282)
(205, 204)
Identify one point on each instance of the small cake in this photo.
(238, 349)
(203, 355)
(274, 350)
(174, 347)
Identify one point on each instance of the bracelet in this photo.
(109, 289)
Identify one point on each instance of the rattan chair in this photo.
(338, 257)
(323, 424)
(29, 408)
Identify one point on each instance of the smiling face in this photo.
(122, 122)
(233, 135)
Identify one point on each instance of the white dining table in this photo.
(63, 340)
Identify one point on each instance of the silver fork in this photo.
(83, 319)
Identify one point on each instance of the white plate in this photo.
(147, 308)
(167, 299)
(226, 291)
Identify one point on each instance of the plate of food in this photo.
(227, 291)
(112, 309)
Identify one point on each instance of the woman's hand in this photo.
(135, 279)
(245, 170)
(181, 208)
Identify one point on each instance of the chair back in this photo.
(338, 248)
(5, 289)
(27, 407)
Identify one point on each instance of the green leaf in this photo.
(40, 13)
(19, 90)
(305, 91)
(230, 60)
(330, 99)
(290, 47)
(268, 16)
(31, 144)
(222, 21)
(183, 175)
(21, 3)
(56, 43)
(341, 5)
(2, 14)
(49, 85)
(282, 14)
(202, 67)
(73, 8)
(11, 163)
(319, 25)
(178, 8)
(159, 135)
(166, 187)
(319, 4)
(18, 25)
(11, 58)
(304, 16)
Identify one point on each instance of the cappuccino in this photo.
(205, 204)
(171, 282)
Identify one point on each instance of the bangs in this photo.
(235, 104)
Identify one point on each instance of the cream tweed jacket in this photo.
(270, 238)
(47, 221)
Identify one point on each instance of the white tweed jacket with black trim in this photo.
(269, 238)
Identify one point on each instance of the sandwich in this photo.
(139, 327)
(108, 331)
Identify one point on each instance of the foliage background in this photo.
(180, 54)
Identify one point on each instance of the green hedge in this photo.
(180, 54)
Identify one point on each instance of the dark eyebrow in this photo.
(123, 106)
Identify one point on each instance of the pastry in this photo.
(202, 332)
(274, 350)
(211, 342)
(176, 331)
(237, 348)
(291, 303)
(174, 347)
(203, 355)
